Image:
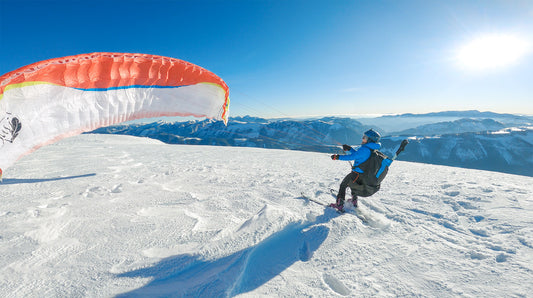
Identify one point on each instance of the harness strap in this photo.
(356, 177)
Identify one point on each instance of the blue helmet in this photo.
(373, 135)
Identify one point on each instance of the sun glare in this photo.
(492, 51)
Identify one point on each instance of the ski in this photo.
(313, 200)
(355, 211)
(333, 193)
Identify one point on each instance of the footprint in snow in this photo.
(452, 193)
(336, 285)
(466, 205)
(501, 258)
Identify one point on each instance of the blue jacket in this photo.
(360, 154)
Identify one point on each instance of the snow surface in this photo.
(108, 215)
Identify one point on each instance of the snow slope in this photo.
(108, 215)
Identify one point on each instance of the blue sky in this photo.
(295, 58)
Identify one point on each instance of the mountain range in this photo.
(467, 139)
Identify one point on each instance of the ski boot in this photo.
(339, 205)
(353, 201)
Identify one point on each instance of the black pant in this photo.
(348, 181)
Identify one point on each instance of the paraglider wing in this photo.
(52, 99)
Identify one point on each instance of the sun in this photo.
(492, 51)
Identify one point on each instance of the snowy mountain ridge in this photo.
(466, 142)
(462, 125)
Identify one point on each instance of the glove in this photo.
(335, 157)
(346, 147)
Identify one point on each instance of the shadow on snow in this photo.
(38, 180)
(240, 272)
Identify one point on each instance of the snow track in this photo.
(107, 215)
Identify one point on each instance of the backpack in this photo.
(375, 168)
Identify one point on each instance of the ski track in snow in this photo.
(107, 215)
